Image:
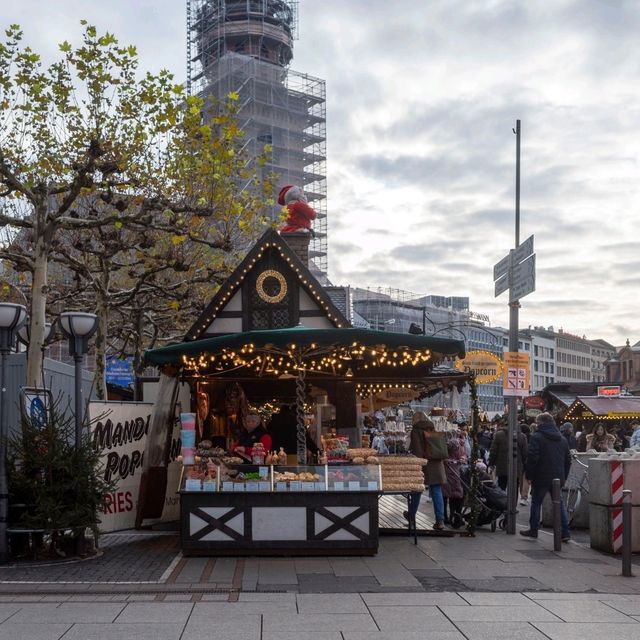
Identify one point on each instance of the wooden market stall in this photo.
(586, 410)
(272, 334)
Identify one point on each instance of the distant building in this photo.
(625, 367)
(601, 352)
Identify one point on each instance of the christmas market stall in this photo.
(587, 410)
(271, 341)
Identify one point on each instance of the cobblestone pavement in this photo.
(127, 556)
(290, 616)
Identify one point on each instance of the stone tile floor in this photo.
(290, 616)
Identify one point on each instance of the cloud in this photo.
(421, 101)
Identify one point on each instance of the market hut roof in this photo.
(364, 351)
(604, 408)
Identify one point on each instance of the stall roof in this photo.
(605, 407)
(303, 336)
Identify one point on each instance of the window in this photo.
(535, 349)
(552, 354)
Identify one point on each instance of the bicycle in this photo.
(575, 486)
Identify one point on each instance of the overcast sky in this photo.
(422, 96)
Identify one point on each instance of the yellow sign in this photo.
(486, 366)
(516, 374)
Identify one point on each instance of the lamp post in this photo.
(78, 327)
(24, 334)
(11, 317)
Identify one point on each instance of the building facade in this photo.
(601, 352)
(624, 367)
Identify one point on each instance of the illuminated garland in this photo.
(271, 273)
(332, 359)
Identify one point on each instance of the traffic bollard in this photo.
(557, 521)
(626, 534)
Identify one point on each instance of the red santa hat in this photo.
(283, 193)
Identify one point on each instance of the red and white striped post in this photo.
(617, 485)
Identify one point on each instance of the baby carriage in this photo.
(490, 500)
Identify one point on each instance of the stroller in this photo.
(491, 500)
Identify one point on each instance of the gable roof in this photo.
(270, 239)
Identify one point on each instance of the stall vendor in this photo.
(252, 433)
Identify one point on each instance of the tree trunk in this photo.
(38, 308)
(102, 311)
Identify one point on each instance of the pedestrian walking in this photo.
(548, 458)
(427, 444)
(567, 432)
(499, 455)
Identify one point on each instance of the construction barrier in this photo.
(609, 475)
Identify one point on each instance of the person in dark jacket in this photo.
(548, 458)
(567, 433)
(499, 455)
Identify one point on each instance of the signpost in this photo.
(517, 273)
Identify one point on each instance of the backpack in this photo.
(435, 447)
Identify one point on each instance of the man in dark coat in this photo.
(499, 455)
(548, 458)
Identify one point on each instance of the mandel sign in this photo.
(486, 366)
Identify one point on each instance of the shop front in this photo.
(272, 344)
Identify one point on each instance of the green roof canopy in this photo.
(305, 337)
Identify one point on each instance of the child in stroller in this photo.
(491, 500)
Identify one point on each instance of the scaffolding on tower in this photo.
(246, 46)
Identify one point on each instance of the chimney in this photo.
(299, 243)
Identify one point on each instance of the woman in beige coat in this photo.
(434, 473)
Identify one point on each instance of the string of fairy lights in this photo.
(337, 360)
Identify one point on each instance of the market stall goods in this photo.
(402, 473)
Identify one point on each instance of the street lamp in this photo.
(24, 333)
(78, 327)
(11, 317)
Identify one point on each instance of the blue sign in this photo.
(120, 372)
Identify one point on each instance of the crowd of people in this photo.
(542, 453)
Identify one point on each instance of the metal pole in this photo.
(626, 534)
(557, 520)
(78, 380)
(4, 484)
(512, 402)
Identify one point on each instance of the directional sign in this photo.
(501, 268)
(516, 378)
(524, 279)
(502, 285)
(523, 250)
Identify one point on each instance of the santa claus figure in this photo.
(299, 213)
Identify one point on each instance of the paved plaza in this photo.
(490, 586)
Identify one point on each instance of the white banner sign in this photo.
(120, 429)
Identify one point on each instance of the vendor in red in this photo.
(252, 433)
(299, 213)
